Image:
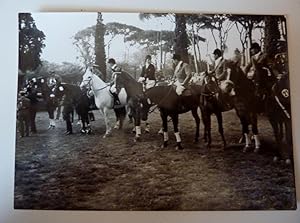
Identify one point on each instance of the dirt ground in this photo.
(54, 171)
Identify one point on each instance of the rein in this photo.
(89, 83)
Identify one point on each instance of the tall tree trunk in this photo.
(181, 37)
(194, 49)
(272, 35)
(99, 46)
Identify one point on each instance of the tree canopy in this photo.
(31, 43)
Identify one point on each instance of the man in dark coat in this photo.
(23, 113)
(32, 94)
(148, 73)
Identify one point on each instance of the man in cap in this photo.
(115, 89)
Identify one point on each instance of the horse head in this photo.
(210, 84)
(86, 79)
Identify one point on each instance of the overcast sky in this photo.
(60, 27)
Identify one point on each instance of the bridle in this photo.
(89, 83)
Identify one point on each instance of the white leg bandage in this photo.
(138, 131)
(257, 141)
(166, 136)
(177, 135)
(147, 129)
(247, 139)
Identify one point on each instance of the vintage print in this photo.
(145, 111)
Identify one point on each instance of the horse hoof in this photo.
(179, 146)
(256, 150)
(137, 139)
(106, 135)
(147, 130)
(275, 159)
(164, 145)
(287, 161)
(246, 148)
(82, 131)
(160, 132)
(196, 140)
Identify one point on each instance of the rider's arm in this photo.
(223, 75)
(188, 72)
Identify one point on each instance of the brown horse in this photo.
(170, 104)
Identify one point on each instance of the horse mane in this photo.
(127, 76)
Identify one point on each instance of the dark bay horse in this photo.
(245, 103)
(170, 104)
(212, 101)
(276, 94)
(135, 99)
(73, 98)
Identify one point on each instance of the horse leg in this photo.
(137, 123)
(176, 131)
(147, 128)
(50, 111)
(82, 124)
(122, 116)
(289, 140)
(164, 118)
(207, 122)
(245, 130)
(107, 122)
(220, 125)
(68, 122)
(197, 120)
(255, 132)
(117, 125)
(204, 123)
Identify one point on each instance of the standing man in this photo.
(116, 89)
(148, 73)
(182, 74)
(32, 94)
(23, 113)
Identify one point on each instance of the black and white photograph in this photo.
(148, 111)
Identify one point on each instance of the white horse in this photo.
(103, 98)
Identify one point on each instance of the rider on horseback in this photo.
(182, 74)
(223, 80)
(115, 89)
(148, 74)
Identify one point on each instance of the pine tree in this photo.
(181, 38)
(31, 42)
(99, 46)
(272, 35)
